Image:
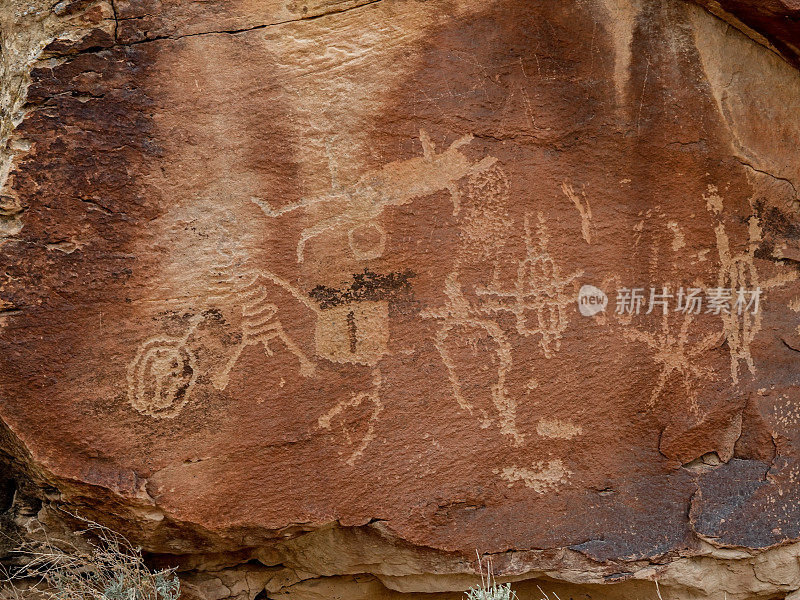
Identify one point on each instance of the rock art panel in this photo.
(301, 271)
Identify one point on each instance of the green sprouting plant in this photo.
(495, 591)
(107, 567)
(489, 589)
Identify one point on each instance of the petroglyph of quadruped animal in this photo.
(542, 477)
(583, 209)
(539, 300)
(355, 209)
(162, 374)
(676, 355)
(739, 272)
(558, 429)
(352, 438)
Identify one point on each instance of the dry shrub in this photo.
(106, 567)
(489, 589)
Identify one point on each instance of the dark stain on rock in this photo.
(726, 505)
(89, 123)
(776, 221)
(368, 286)
(351, 330)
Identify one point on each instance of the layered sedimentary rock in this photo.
(773, 23)
(289, 292)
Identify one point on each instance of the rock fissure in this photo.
(236, 31)
(772, 176)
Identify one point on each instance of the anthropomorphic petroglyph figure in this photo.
(738, 271)
(459, 322)
(356, 208)
(538, 299)
(465, 334)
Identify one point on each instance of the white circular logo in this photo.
(591, 300)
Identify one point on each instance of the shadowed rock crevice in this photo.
(774, 24)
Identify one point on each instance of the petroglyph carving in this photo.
(713, 200)
(463, 327)
(639, 228)
(678, 239)
(354, 333)
(557, 429)
(485, 223)
(460, 322)
(538, 300)
(353, 322)
(583, 209)
(676, 355)
(541, 477)
(735, 272)
(740, 330)
(356, 208)
(260, 325)
(164, 371)
(162, 375)
(353, 327)
(359, 442)
(785, 414)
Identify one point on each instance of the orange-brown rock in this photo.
(290, 291)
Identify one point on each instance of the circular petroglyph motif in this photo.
(367, 241)
(161, 377)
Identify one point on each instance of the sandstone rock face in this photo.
(774, 23)
(289, 292)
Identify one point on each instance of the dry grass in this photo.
(107, 567)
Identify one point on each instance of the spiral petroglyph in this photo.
(162, 375)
